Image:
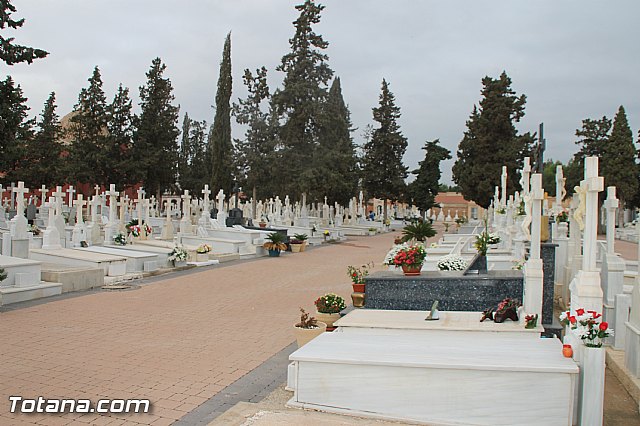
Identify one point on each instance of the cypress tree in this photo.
(89, 133)
(383, 172)
(492, 141)
(15, 129)
(257, 156)
(336, 159)
(119, 169)
(155, 145)
(222, 173)
(184, 154)
(299, 104)
(618, 165)
(43, 154)
(426, 186)
(11, 53)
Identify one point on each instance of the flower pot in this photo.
(202, 257)
(358, 299)
(328, 319)
(358, 288)
(544, 228)
(262, 225)
(412, 269)
(303, 246)
(179, 263)
(372, 233)
(296, 248)
(305, 335)
(274, 253)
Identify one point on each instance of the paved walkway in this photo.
(176, 341)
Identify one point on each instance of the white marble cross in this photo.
(43, 194)
(503, 182)
(526, 172)
(58, 194)
(205, 206)
(593, 184)
(560, 191)
(113, 194)
(71, 191)
(611, 204)
(220, 198)
(97, 189)
(140, 202)
(95, 201)
(79, 203)
(186, 204)
(20, 190)
(537, 195)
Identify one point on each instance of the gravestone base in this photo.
(20, 248)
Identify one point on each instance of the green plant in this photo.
(275, 241)
(330, 303)
(178, 253)
(563, 216)
(520, 210)
(306, 321)
(501, 210)
(300, 237)
(120, 239)
(418, 231)
(203, 248)
(412, 255)
(372, 229)
(358, 275)
(484, 240)
(3, 274)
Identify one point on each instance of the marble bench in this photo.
(479, 380)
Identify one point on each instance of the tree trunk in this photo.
(384, 216)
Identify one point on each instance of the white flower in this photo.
(451, 262)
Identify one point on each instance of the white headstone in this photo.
(70, 191)
(611, 204)
(503, 182)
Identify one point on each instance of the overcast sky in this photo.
(573, 59)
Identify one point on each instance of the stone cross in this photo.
(205, 206)
(325, 200)
(560, 191)
(503, 182)
(496, 197)
(593, 184)
(526, 172)
(20, 190)
(220, 198)
(537, 195)
(13, 195)
(95, 200)
(167, 210)
(43, 194)
(113, 194)
(139, 201)
(52, 212)
(97, 189)
(58, 194)
(186, 204)
(611, 204)
(79, 203)
(71, 191)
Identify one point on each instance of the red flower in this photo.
(579, 311)
(572, 319)
(603, 326)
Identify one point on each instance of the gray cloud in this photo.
(573, 59)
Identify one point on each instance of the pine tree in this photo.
(198, 160)
(14, 53)
(257, 156)
(118, 167)
(222, 173)
(383, 172)
(336, 159)
(89, 133)
(42, 159)
(492, 141)
(15, 129)
(299, 104)
(155, 145)
(184, 152)
(617, 161)
(426, 186)
(594, 136)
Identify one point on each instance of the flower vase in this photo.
(592, 386)
(412, 270)
(328, 319)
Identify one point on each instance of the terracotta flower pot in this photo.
(412, 269)
(358, 288)
(305, 335)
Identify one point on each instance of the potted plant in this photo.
(308, 328)
(507, 309)
(328, 308)
(372, 232)
(482, 243)
(303, 238)
(120, 239)
(563, 216)
(202, 252)
(588, 326)
(275, 244)
(410, 259)
(296, 245)
(418, 231)
(178, 256)
(358, 276)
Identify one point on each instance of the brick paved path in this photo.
(177, 341)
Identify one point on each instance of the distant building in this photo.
(452, 203)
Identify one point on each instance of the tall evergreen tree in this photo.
(299, 103)
(89, 133)
(492, 141)
(336, 159)
(222, 173)
(155, 143)
(549, 176)
(43, 154)
(118, 167)
(14, 53)
(257, 157)
(184, 152)
(594, 136)
(617, 161)
(198, 143)
(383, 171)
(15, 128)
(426, 186)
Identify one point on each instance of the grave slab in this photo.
(111, 265)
